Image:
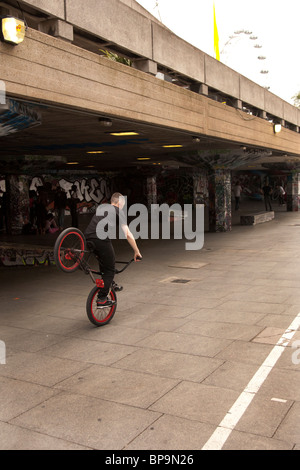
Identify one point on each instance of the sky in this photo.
(273, 24)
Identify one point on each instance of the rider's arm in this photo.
(131, 240)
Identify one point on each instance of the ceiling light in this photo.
(277, 128)
(143, 158)
(73, 163)
(171, 146)
(12, 30)
(121, 134)
(97, 151)
(105, 122)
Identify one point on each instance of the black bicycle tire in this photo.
(89, 308)
(60, 239)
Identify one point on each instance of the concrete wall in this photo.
(128, 25)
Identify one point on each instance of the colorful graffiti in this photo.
(10, 257)
(90, 191)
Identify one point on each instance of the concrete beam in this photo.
(251, 93)
(58, 29)
(114, 21)
(54, 7)
(175, 53)
(221, 77)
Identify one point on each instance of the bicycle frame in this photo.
(86, 268)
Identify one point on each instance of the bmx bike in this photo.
(71, 252)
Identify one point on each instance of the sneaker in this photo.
(101, 303)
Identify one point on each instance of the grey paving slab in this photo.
(246, 352)
(173, 433)
(188, 344)
(118, 385)
(264, 416)
(197, 402)
(110, 425)
(85, 351)
(169, 311)
(39, 369)
(116, 333)
(283, 384)
(170, 364)
(232, 375)
(247, 441)
(289, 428)
(17, 438)
(242, 317)
(224, 330)
(252, 306)
(18, 396)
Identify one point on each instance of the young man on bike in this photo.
(111, 219)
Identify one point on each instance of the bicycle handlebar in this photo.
(127, 263)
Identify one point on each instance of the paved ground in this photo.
(174, 360)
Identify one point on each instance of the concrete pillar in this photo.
(293, 192)
(219, 186)
(151, 191)
(201, 195)
(17, 188)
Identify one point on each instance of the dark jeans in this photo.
(237, 203)
(74, 216)
(106, 257)
(268, 202)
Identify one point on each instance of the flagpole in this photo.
(216, 36)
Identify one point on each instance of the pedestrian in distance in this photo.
(237, 189)
(72, 204)
(60, 203)
(267, 191)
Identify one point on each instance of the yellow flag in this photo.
(216, 37)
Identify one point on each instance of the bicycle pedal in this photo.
(106, 306)
(118, 288)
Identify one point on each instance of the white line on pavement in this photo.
(227, 425)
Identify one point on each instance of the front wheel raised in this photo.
(100, 316)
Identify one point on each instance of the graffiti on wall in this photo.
(24, 257)
(90, 191)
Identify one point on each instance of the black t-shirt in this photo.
(110, 219)
(267, 190)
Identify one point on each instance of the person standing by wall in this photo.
(267, 191)
(237, 189)
(72, 204)
(60, 203)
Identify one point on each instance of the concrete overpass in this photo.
(172, 95)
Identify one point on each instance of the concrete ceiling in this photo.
(67, 136)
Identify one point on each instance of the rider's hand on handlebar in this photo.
(137, 256)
